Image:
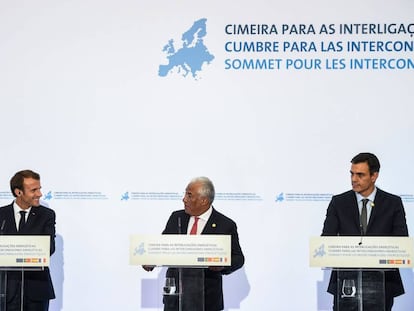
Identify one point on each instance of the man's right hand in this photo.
(148, 268)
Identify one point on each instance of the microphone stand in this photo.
(180, 286)
(360, 272)
(3, 278)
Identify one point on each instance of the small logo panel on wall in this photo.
(152, 196)
(321, 197)
(6, 195)
(74, 195)
(175, 196)
(302, 197)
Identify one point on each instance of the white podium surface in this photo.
(180, 250)
(24, 250)
(361, 252)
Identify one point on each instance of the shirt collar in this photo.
(17, 208)
(371, 197)
(206, 215)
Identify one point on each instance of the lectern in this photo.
(18, 254)
(190, 293)
(186, 257)
(359, 267)
(360, 289)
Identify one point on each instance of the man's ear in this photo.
(374, 176)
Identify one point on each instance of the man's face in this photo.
(194, 203)
(362, 181)
(30, 195)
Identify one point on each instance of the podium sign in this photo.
(180, 250)
(361, 252)
(24, 251)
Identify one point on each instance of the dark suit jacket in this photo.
(40, 221)
(216, 224)
(387, 219)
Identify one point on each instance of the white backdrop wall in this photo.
(84, 104)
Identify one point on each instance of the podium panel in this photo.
(361, 266)
(3, 291)
(180, 250)
(20, 253)
(359, 290)
(190, 290)
(187, 257)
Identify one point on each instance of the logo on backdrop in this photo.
(6, 195)
(125, 196)
(321, 197)
(74, 195)
(175, 196)
(191, 56)
(302, 197)
(48, 196)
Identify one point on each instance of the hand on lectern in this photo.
(148, 268)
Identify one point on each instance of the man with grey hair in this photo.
(200, 217)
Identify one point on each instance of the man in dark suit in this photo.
(385, 216)
(25, 216)
(198, 199)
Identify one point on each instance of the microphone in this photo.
(361, 231)
(2, 226)
(179, 225)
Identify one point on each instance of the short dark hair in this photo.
(369, 158)
(16, 182)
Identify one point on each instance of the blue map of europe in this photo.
(192, 54)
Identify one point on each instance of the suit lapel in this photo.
(354, 209)
(31, 218)
(185, 219)
(211, 224)
(377, 205)
(10, 224)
